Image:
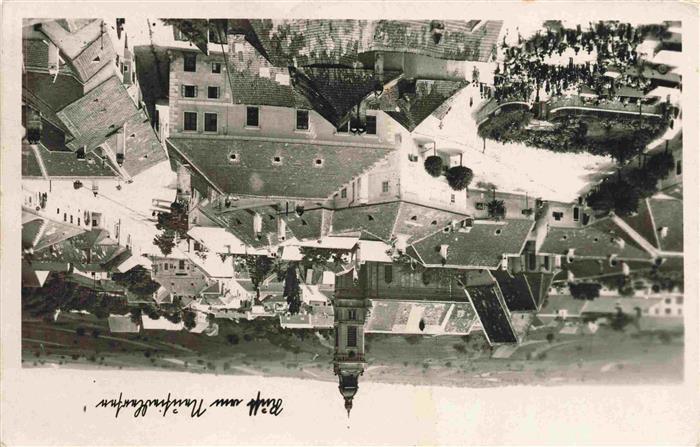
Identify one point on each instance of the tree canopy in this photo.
(459, 177)
(584, 290)
(137, 280)
(292, 291)
(433, 165)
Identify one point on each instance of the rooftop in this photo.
(667, 213)
(492, 314)
(516, 291)
(480, 246)
(67, 164)
(411, 102)
(597, 240)
(278, 168)
(312, 42)
(255, 81)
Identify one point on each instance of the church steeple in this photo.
(350, 308)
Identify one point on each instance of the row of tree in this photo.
(623, 193)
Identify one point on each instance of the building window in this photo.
(371, 125)
(667, 300)
(213, 92)
(344, 193)
(191, 121)
(190, 62)
(252, 118)
(557, 215)
(345, 128)
(352, 314)
(165, 266)
(388, 274)
(668, 311)
(336, 336)
(352, 336)
(302, 120)
(179, 34)
(385, 186)
(452, 198)
(181, 264)
(679, 300)
(189, 91)
(576, 213)
(210, 122)
(679, 167)
(216, 67)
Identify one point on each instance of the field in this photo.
(606, 357)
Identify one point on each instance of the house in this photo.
(123, 324)
(81, 97)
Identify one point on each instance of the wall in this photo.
(406, 285)
(276, 122)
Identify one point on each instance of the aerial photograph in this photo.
(464, 203)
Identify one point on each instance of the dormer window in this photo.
(234, 157)
(318, 162)
(414, 218)
(433, 222)
(80, 153)
(497, 232)
(277, 160)
(437, 28)
(370, 217)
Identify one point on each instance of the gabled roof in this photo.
(42, 93)
(516, 291)
(388, 219)
(240, 222)
(304, 170)
(404, 317)
(88, 48)
(308, 42)
(254, 81)
(472, 40)
(313, 42)
(376, 220)
(96, 117)
(480, 246)
(597, 240)
(30, 162)
(309, 225)
(40, 233)
(411, 109)
(495, 320)
(539, 285)
(668, 213)
(66, 164)
(334, 92)
(35, 54)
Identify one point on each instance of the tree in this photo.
(659, 165)
(584, 290)
(496, 209)
(642, 181)
(175, 220)
(165, 241)
(189, 318)
(174, 317)
(433, 165)
(459, 177)
(137, 280)
(136, 315)
(259, 267)
(626, 198)
(292, 291)
(195, 30)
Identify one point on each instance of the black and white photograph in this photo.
(477, 204)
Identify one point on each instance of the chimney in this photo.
(281, 229)
(402, 242)
(379, 63)
(663, 232)
(612, 260)
(443, 252)
(257, 224)
(53, 59)
(625, 269)
(570, 277)
(570, 255)
(619, 241)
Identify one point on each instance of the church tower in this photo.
(350, 309)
